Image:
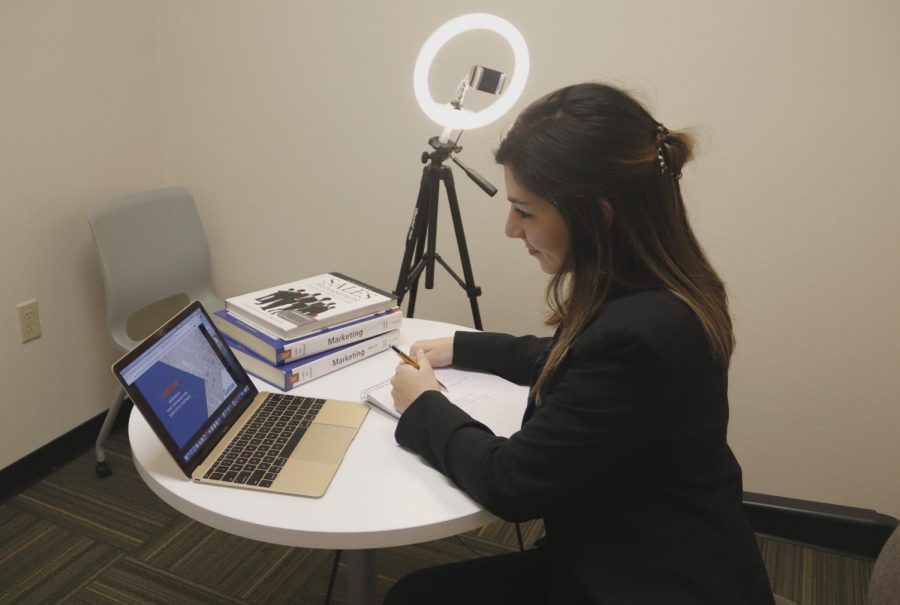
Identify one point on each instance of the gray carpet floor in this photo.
(73, 538)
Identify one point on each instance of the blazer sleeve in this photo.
(590, 425)
(511, 357)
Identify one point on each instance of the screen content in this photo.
(186, 380)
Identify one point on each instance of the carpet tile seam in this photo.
(110, 590)
(180, 579)
(124, 456)
(485, 541)
(262, 577)
(102, 503)
(69, 515)
(472, 548)
(169, 540)
(30, 542)
(119, 556)
(25, 585)
(190, 551)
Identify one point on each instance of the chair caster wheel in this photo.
(103, 470)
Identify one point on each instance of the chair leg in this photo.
(102, 467)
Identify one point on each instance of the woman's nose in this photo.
(512, 228)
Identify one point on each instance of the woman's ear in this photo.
(608, 212)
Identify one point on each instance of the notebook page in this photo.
(493, 401)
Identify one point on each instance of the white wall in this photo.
(295, 126)
(79, 122)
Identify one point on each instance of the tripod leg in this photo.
(436, 175)
(415, 234)
(425, 260)
(428, 194)
(472, 290)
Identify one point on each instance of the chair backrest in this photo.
(151, 246)
(884, 583)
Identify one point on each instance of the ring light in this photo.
(456, 119)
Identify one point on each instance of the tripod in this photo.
(423, 229)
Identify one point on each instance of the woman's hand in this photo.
(408, 382)
(439, 351)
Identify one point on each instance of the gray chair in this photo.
(153, 253)
(884, 583)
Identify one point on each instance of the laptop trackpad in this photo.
(324, 443)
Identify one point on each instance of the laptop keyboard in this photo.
(260, 449)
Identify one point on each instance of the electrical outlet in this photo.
(29, 320)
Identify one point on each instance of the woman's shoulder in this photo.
(646, 307)
(653, 319)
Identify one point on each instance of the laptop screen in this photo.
(189, 382)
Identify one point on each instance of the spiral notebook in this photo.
(495, 402)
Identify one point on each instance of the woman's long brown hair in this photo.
(585, 144)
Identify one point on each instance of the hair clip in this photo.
(661, 133)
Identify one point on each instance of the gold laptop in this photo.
(219, 429)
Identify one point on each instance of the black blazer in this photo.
(626, 461)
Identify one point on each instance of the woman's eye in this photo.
(521, 213)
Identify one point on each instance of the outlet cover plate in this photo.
(29, 320)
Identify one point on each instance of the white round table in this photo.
(381, 496)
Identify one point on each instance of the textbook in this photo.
(495, 402)
(277, 351)
(301, 371)
(291, 310)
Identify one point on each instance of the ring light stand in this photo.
(420, 251)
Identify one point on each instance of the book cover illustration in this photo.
(309, 304)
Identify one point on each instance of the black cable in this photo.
(334, 568)
(519, 536)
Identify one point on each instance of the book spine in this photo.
(278, 352)
(236, 329)
(341, 336)
(257, 366)
(325, 364)
(291, 375)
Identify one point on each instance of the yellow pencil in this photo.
(413, 363)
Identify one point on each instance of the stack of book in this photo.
(290, 334)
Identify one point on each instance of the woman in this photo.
(622, 450)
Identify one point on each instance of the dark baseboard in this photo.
(37, 465)
(855, 531)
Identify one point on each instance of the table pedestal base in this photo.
(363, 576)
